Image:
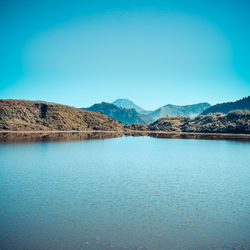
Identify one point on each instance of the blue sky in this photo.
(152, 52)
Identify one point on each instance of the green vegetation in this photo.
(242, 104)
(120, 114)
(127, 104)
(127, 112)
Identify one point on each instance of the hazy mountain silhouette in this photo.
(167, 110)
(176, 110)
(126, 103)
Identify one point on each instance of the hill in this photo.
(32, 115)
(176, 110)
(242, 104)
(234, 122)
(124, 115)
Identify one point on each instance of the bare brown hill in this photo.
(34, 115)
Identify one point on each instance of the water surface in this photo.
(125, 193)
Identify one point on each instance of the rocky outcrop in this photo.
(32, 115)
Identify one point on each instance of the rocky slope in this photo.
(234, 122)
(33, 115)
(242, 104)
(124, 115)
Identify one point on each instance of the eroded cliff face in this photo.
(31, 115)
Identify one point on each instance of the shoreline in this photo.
(57, 135)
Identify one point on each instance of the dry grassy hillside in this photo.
(32, 115)
(234, 122)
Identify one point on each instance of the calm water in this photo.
(125, 193)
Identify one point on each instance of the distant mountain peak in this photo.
(124, 99)
(125, 115)
(128, 104)
(126, 111)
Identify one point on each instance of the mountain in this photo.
(32, 115)
(167, 110)
(127, 104)
(226, 107)
(124, 115)
(22, 115)
(175, 110)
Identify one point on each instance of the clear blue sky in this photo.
(152, 52)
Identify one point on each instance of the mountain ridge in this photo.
(166, 110)
(172, 110)
(24, 115)
(226, 107)
(124, 115)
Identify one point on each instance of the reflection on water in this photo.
(203, 136)
(14, 137)
(125, 193)
(43, 136)
(186, 135)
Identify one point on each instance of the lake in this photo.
(125, 193)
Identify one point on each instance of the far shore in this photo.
(55, 131)
(58, 135)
